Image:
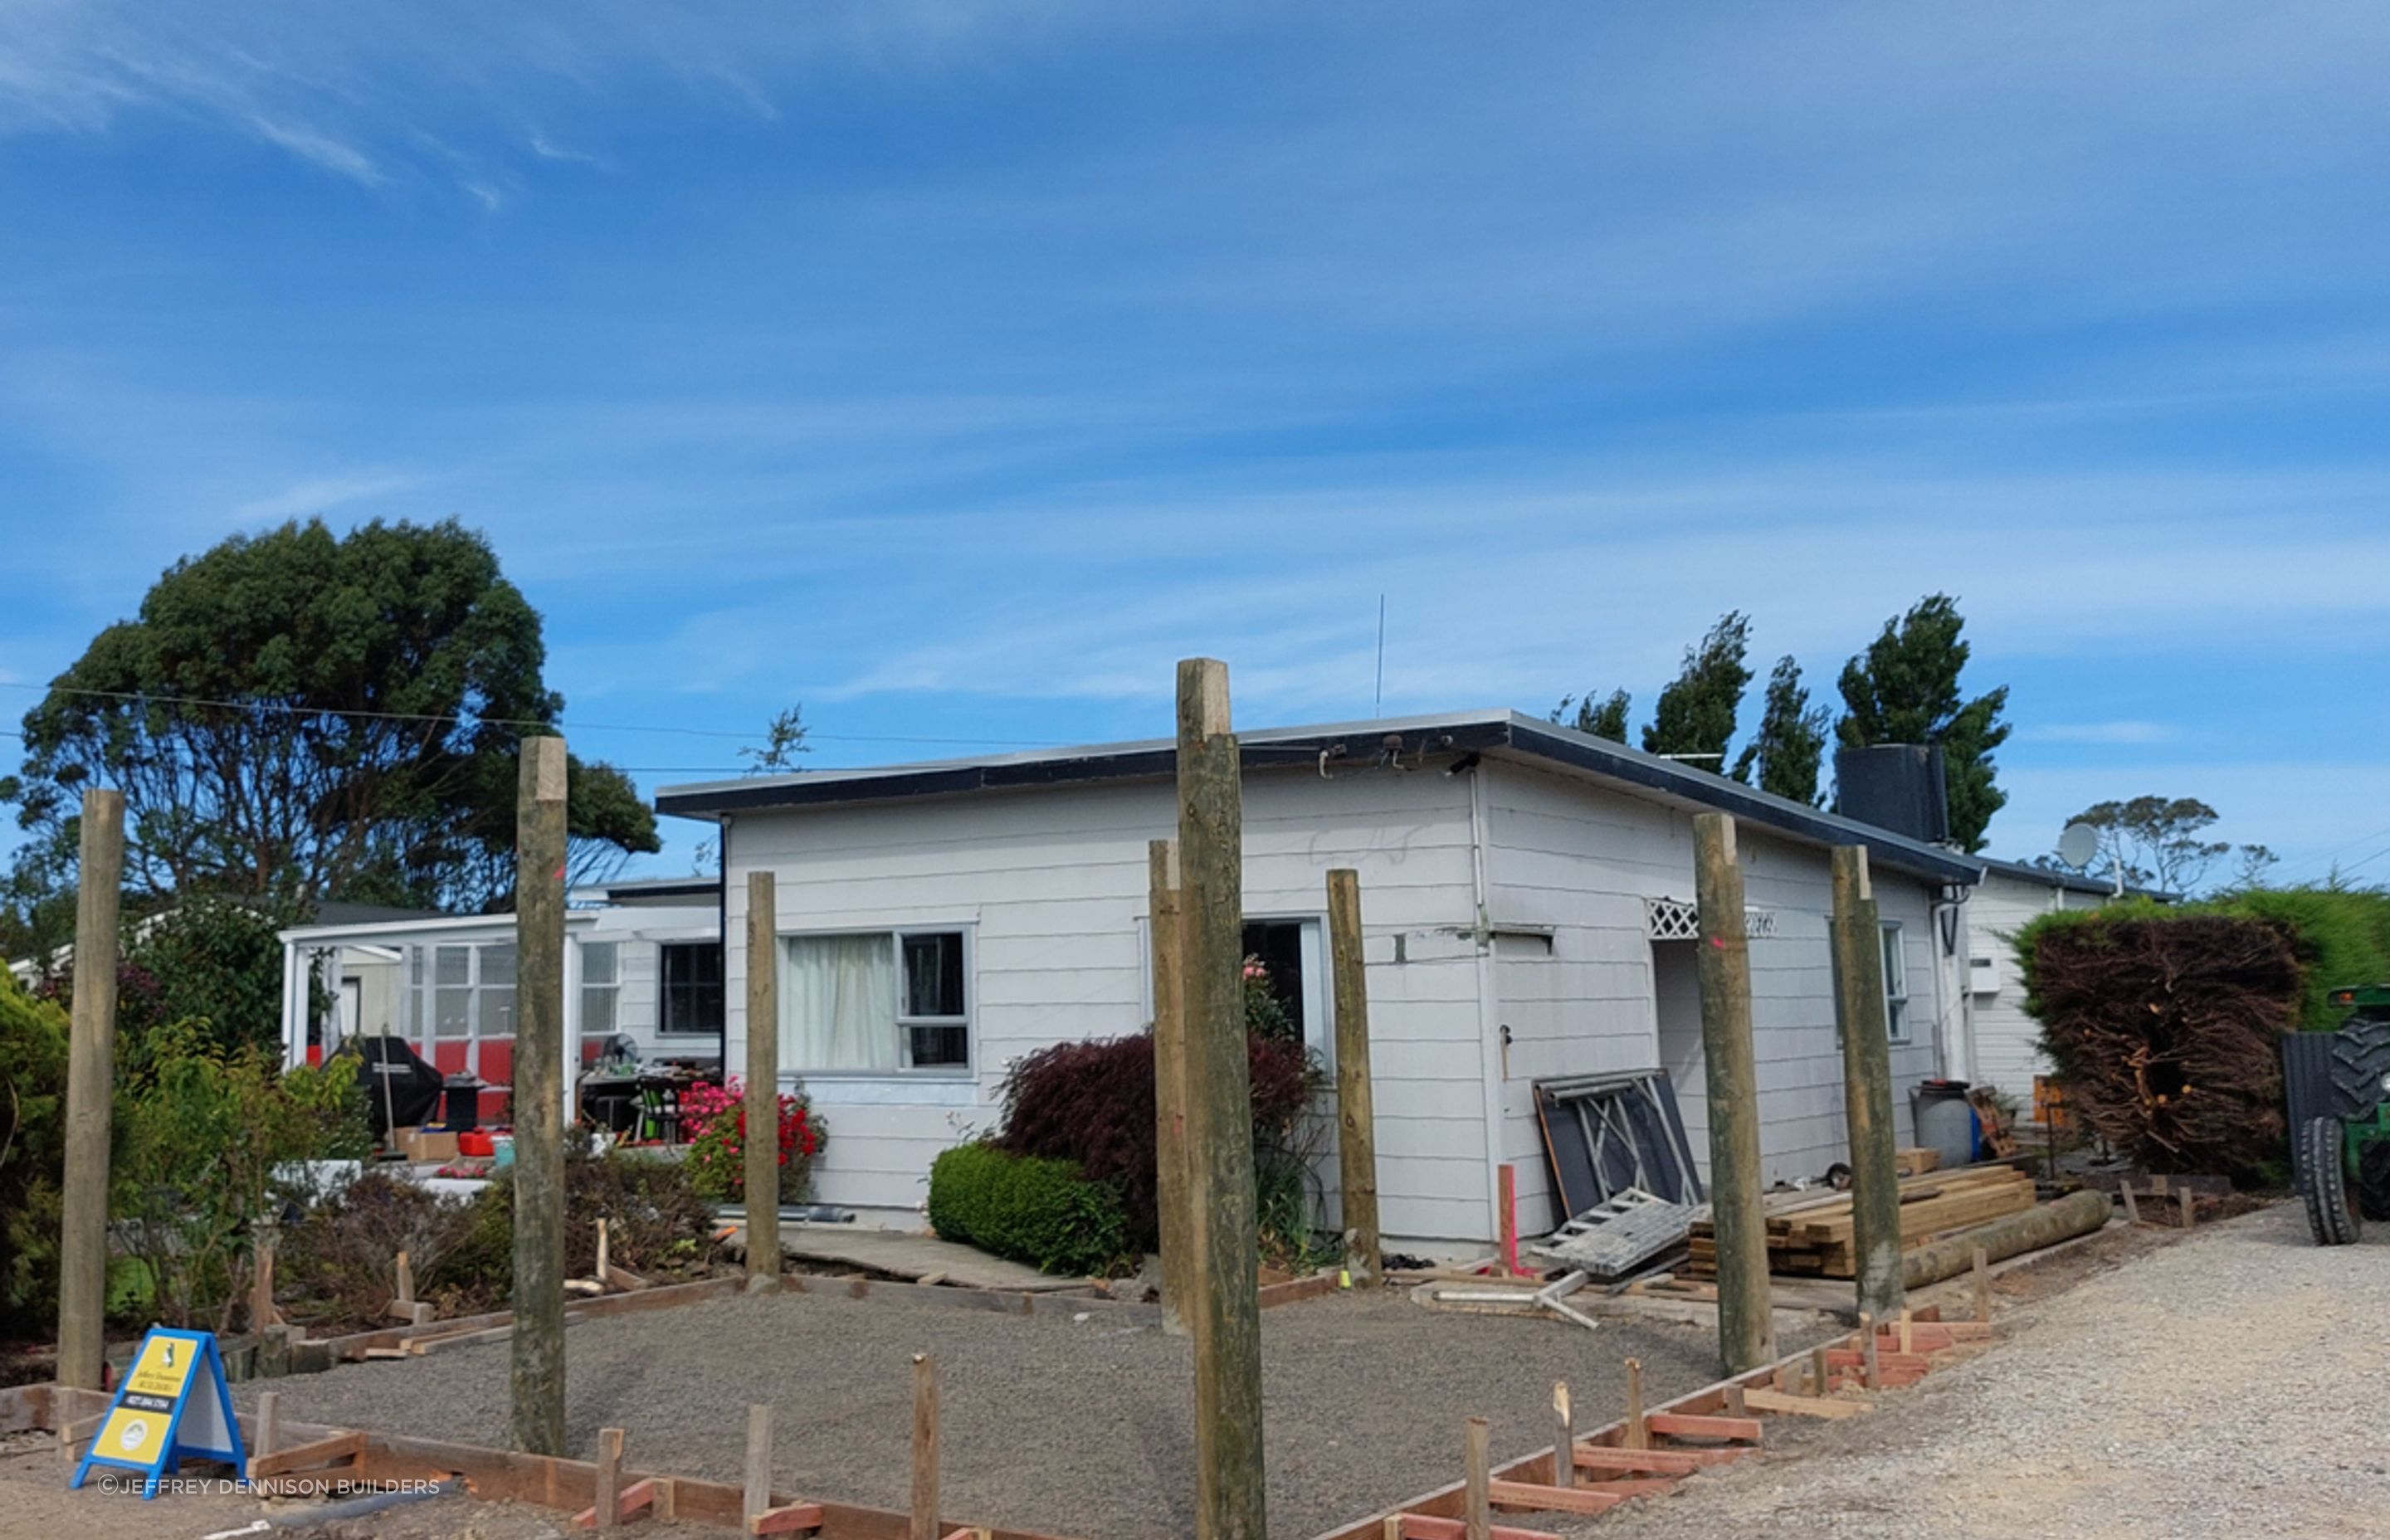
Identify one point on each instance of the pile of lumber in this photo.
(1809, 1233)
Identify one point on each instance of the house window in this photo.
(1895, 985)
(1276, 949)
(691, 987)
(877, 1002)
(601, 984)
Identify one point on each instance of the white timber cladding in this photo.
(1586, 863)
(2006, 1039)
(1053, 885)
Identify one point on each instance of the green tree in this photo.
(1694, 717)
(1789, 748)
(2156, 842)
(1603, 718)
(1903, 688)
(33, 1153)
(297, 715)
(784, 740)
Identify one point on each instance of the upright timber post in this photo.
(1867, 1086)
(91, 1074)
(1229, 1483)
(1179, 1238)
(1746, 1330)
(539, 1092)
(761, 1177)
(1356, 1132)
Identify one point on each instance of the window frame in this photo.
(611, 987)
(664, 989)
(1893, 947)
(900, 1023)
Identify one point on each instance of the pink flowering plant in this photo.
(713, 1120)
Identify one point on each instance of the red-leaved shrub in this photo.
(1093, 1103)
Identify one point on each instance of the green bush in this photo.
(1040, 1212)
(32, 1151)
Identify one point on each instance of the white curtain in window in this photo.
(838, 1004)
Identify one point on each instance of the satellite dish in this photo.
(2078, 844)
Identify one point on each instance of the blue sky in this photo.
(954, 368)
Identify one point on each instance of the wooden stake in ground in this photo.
(1857, 946)
(924, 1514)
(1634, 1434)
(759, 1463)
(1357, 1134)
(762, 1178)
(268, 1423)
(263, 1238)
(1506, 1190)
(1181, 1239)
(609, 1480)
(1228, 1478)
(1983, 1270)
(539, 1092)
(1478, 1457)
(1870, 1368)
(91, 1074)
(1746, 1328)
(1564, 1435)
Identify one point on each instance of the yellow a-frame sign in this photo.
(172, 1401)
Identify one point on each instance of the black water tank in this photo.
(1895, 785)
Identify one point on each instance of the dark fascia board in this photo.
(1505, 733)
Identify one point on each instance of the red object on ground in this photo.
(477, 1143)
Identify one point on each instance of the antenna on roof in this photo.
(1378, 701)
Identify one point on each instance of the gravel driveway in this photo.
(2236, 1385)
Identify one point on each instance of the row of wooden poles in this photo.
(1210, 1242)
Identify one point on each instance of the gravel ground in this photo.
(2228, 1386)
(1072, 1427)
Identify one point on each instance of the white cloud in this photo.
(321, 494)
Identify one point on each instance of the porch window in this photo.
(601, 986)
(691, 987)
(875, 1002)
(1895, 985)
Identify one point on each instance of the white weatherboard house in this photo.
(2005, 1043)
(1524, 894)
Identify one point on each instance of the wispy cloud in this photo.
(320, 148)
(321, 494)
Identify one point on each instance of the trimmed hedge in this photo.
(1040, 1212)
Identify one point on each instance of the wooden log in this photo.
(1229, 1482)
(759, 1462)
(608, 1509)
(761, 1179)
(1635, 1430)
(1357, 1133)
(1859, 1019)
(536, 1381)
(91, 1070)
(1477, 1472)
(1181, 1237)
(1746, 1323)
(924, 1508)
(2046, 1225)
(1529, 1496)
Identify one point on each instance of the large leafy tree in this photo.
(1693, 719)
(299, 715)
(1903, 688)
(1790, 748)
(2159, 841)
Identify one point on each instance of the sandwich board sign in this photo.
(172, 1403)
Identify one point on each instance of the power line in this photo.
(438, 718)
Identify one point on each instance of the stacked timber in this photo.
(1809, 1233)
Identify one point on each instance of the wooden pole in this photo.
(924, 1515)
(1633, 1433)
(268, 1423)
(537, 1380)
(762, 1183)
(405, 1271)
(1982, 1264)
(1870, 1369)
(1229, 1494)
(1181, 1237)
(1477, 1451)
(1746, 1328)
(91, 1073)
(1858, 947)
(1564, 1435)
(1821, 1372)
(609, 1480)
(1507, 1191)
(264, 1239)
(1357, 1134)
(759, 1461)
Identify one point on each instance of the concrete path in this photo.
(907, 1256)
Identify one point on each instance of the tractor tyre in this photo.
(2324, 1184)
(2360, 1058)
(2373, 1179)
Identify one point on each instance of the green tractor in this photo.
(2338, 1087)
